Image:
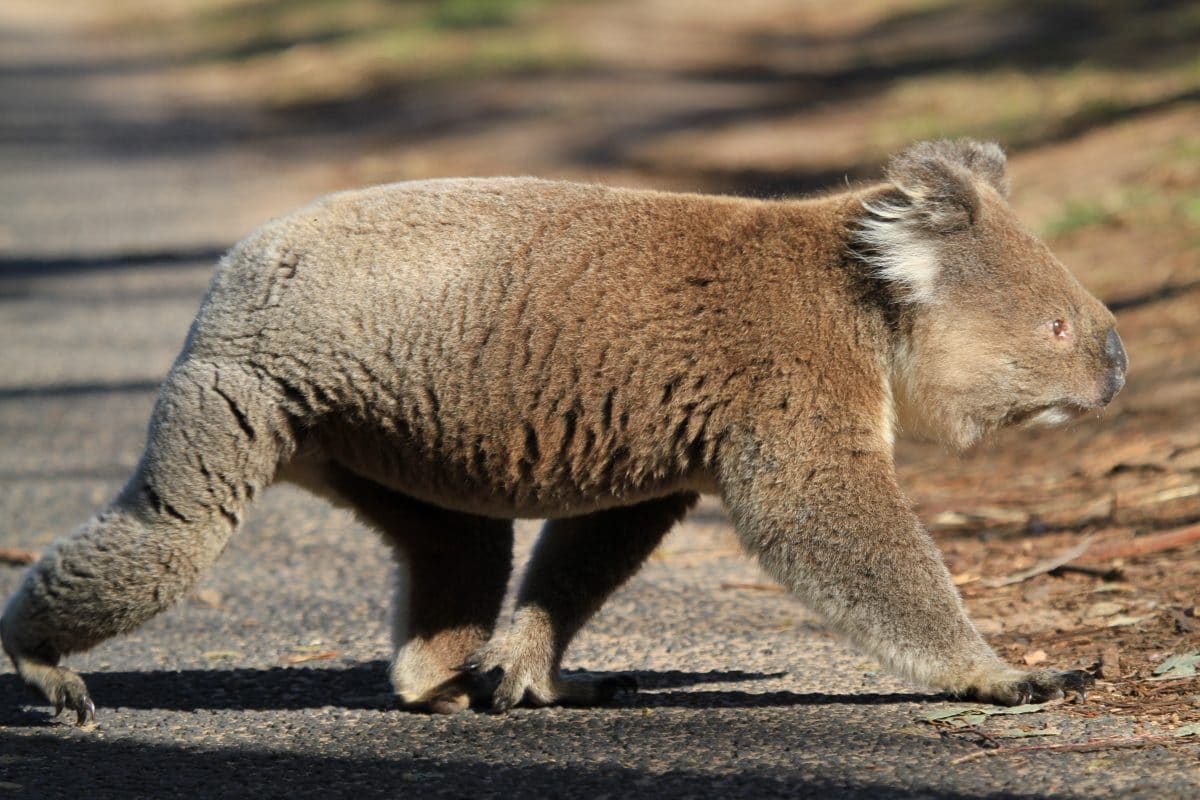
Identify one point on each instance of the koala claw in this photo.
(1036, 687)
(76, 698)
(85, 713)
(65, 690)
(519, 677)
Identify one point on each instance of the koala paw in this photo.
(525, 676)
(62, 687)
(1039, 686)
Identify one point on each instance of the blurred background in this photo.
(139, 139)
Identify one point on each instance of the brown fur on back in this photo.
(539, 349)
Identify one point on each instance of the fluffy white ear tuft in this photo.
(898, 251)
(936, 191)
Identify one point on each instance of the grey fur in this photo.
(443, 357)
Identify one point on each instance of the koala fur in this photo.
(445, 356)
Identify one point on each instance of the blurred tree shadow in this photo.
(780, 74)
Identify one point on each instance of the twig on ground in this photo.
(18, 556)
(1103, 573)
(1042, 567)
(1113, 743)
(1150, 543)
(322, 656)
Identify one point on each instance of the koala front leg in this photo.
(577, 563)
(829, 522)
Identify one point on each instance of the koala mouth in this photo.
(1050, 415)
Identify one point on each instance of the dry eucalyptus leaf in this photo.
(1180, 666)
(1034, 657)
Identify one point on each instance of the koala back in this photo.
(546, 348)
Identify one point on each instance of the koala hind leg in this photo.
(454, 569)
(577, 563)
(215, 440)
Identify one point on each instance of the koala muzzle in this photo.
(1118, 363)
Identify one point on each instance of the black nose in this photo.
(1116, 351)
(1119, 361)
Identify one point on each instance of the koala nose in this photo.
(1119, 361)
(1116, 351)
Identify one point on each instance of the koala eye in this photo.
(1060, 328)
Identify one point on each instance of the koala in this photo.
(443, 357)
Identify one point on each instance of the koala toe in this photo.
(525, 675)
(517, 674)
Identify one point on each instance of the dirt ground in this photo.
(1098, 105)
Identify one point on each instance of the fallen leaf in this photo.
(1180, 666)
(18, 556)
(1035, 657)
(207, 597)
(1104, 608)
(974, 715)
(216, 654)
(325, 655)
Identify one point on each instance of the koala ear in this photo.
(941, 180)
(935, 191)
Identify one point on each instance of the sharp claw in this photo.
(467, 666)
(86, 712)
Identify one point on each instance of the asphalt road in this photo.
(113, 205)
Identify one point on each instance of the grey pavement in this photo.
(114, 203)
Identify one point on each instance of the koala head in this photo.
(992, 329)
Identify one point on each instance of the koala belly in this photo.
(485, 475)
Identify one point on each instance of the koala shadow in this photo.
(741, 699)
(245, 689)
(366, 686)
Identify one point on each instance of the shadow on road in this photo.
(365, 686)
(72, 764)
(79, 389)
(31, 266)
